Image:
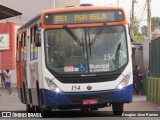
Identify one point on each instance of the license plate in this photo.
(90, 102)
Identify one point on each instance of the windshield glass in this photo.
(85, 50)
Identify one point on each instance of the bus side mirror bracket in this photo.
(38, 39)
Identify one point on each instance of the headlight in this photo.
(52, 85)
(124, 81)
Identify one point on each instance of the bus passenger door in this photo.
(33, 67)
(25, 67)
(19, 68)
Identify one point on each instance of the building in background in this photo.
(8, 27)
(7, 46)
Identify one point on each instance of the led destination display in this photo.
(83, 17)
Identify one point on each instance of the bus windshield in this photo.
(102, 49)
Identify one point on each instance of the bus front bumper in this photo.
(75, 99)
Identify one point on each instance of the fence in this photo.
(154, 58)
(153, 81)
(153, 90)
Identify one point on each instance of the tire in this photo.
(84, 109)
(117, 108)
(45, 112)
(37, 109)
(30, 108)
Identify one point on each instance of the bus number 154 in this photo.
(75, 88)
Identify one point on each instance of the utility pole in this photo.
(149, 36)
(117, 3)
(132, 19)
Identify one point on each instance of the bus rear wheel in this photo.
(117, 108)
(30, 108)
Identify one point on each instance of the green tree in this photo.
(139, 38)
(155, 23)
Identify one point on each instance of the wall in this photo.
(7, 57)
(139, 57)
(146, 55)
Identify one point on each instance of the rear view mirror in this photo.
(38, 39)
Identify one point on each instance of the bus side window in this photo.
(33, 48)
(22, 44)
(24, 47)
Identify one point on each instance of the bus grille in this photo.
(77, 99)
(88, 79)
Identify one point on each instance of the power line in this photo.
(149, 36)
(138, 17)
(143, 14)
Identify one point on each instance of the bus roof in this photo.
(29, 23)
(83, 8)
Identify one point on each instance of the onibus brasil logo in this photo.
(20, 115)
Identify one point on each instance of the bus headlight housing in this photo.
(52, 85)
(124, 81)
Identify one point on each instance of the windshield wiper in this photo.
(78, 41)
(97, 35)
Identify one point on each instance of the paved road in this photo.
(12, 103)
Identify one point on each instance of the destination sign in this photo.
(83, 17)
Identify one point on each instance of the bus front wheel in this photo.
(117, 108)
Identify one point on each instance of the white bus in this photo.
(77, 57)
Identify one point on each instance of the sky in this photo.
(140, 7)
